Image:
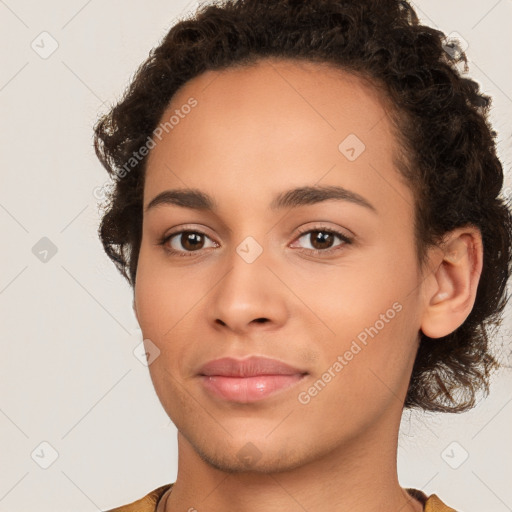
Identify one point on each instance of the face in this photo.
(329, 286)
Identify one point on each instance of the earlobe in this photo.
(454, 282)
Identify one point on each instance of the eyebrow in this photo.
(294, 198)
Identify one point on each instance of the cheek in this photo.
(364, 371)
(352, 294)
(163, 295)
(161, 303)
(369, 313)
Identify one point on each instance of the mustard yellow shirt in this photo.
(149, 502)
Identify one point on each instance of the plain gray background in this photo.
(68, 376)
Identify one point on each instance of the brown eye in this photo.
(323, 241)
(191, 240)
(184, 242)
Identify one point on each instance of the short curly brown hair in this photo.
(447, 146)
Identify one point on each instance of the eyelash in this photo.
(317, 252)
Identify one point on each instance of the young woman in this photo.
(306, 206)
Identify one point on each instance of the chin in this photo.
(256, 455)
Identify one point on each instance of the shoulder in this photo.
(146, 504)
(434, 504)
(430, 503)
(150, 501)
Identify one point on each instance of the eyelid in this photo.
(188, 227)
(323, 226)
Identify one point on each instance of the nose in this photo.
(249, 296)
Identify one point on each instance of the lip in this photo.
(248, 380)
(248, 367)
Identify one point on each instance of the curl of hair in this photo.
(447, 149)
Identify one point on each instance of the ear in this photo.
(450, 288)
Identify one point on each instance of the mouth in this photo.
(248, 380)
(248, 389)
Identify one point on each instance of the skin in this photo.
(255, 132)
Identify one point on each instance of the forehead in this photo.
(271, 125)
